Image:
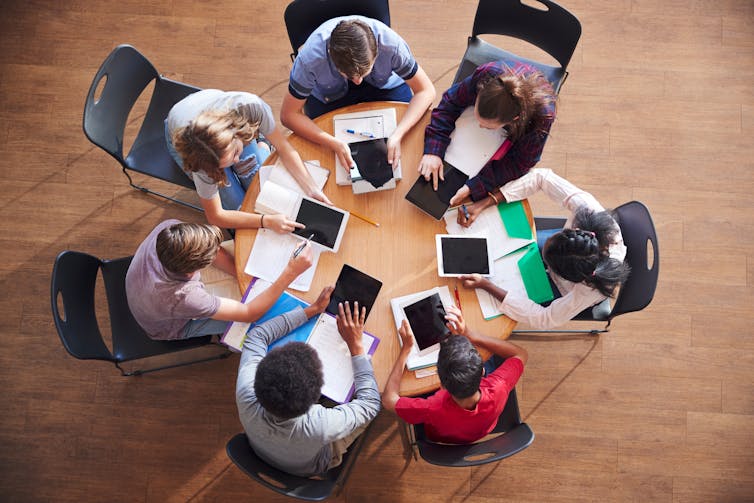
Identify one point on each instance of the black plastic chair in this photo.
(552, 29)
(302, 17)
(516, 436)
(642, 254)
(128, 73)
(73, 279)
(309, 489)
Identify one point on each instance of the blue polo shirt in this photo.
(314, 74)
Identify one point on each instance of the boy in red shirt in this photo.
(468, 405)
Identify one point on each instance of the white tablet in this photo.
(326, 224)
(458, 255)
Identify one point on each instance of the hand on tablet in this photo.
(394, 150)
(474, 281)
(460, 195)
(320, 196)
(351, 326)
(456, 324)
(430, 166)
(343, 153)
(280, 223)
(407, 337)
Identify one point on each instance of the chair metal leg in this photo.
(154, 192)
(139, 372)
(594, 331)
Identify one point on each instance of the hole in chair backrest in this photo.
(535, 5)
(650, 255)
(99, 88)
(136, 117)
(270, 480)
(61, 306)
(479, 457)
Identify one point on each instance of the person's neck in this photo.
(468, 403)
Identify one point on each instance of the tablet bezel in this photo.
(341, 230)
(441, 266)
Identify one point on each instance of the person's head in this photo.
(459, 366)
(214, 140)
(581, 254)
(513, 101)
(353, 49)
(185, 248)
(289, 380)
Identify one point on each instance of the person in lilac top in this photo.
(516, 97)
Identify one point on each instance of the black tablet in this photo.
(326, 223)
(458, 255)
(371, 162)
(436, 203)
(427, 320)
(354, 286)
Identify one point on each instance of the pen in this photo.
(364, 219)
(301, 247)
(360, 133)
(465, 211)
(458, 298)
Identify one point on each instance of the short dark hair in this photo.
(459, 366)
(289, 380)
(352, 47)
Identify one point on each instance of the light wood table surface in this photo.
(401, 252)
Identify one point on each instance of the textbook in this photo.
(420, 358)
(280, 175)
(321, 332)
(326, 224)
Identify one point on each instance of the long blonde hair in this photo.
(204, 141)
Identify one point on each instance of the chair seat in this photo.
(479, 52)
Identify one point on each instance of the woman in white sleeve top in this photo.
(585, 260)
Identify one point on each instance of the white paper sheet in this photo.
(280, 175)
(472, 146)
(508, 277)
(271, 253)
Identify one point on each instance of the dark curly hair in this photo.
(581, 254)
(289, 380)
(459, 366)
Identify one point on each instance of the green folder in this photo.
(514, 219)
(535, 277)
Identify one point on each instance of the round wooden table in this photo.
(401, 252)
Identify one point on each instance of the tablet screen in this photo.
(436, 203)
(322, 221)
(353, 285)
(427, 320)
(467, 255)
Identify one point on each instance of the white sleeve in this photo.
(556, 187)
(559, 312)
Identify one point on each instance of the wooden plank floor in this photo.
(659, 107)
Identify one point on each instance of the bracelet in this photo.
(261, 222)
(493, 198)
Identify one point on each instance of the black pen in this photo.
(301, 247)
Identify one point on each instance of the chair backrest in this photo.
(552, 28)
(130, 341)
(640, 237)
(302, 17)
(517, 436)
(74, 276)
(127, 74)
(244, 457)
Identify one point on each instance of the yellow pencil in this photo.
(365, 219)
